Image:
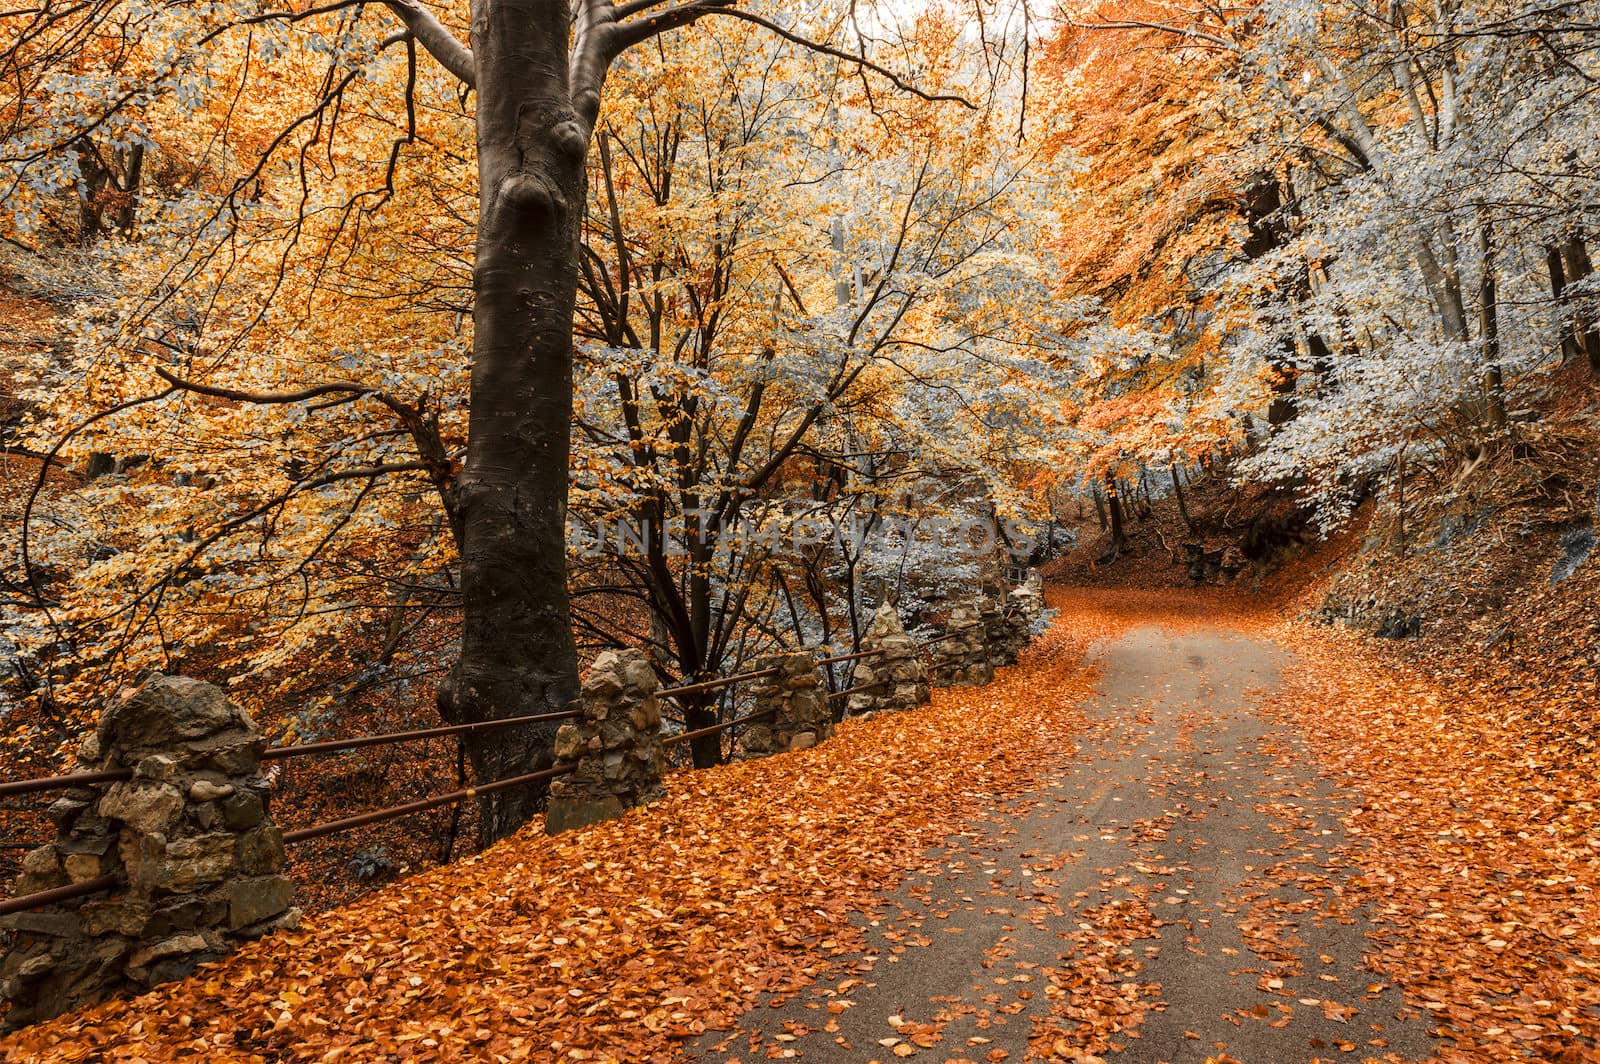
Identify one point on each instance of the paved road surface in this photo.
(1183, 875)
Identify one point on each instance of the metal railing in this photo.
(68, 781)
(11, 788)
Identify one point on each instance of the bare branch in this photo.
(264, 398)
(628, 34)
(1158, 27)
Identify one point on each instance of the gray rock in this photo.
(89, 751)
(261, 851)
(207, 791)
(56, 925)
(243, 809)
(161, 768)
(187, 912)
(196, 861)
(64, 812)
(114, 917)
(169, 947)
(96, 843)
(207, 816)
(81, 867)
(287, 920)
(1577, 544)
(232, 753)
(570, 742)
(605, 680)
(568, 814)
(250, 901)
(33, 968)
(167, 710)
(173, 958)
(637, 672)
(143, 806)
(758, 737)
(646, 713)
(41, 870)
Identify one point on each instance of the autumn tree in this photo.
(780, 271)
(329, 171)
(1335, 257)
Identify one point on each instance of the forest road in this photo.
(1176, 894)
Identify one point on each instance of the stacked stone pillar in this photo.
(960, 657)
(796, 704)
(1003, 630)
(197, 862)
(1028, 597)
(894, 678)
(614, 747)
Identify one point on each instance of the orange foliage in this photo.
(1159, 186)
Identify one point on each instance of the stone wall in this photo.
(1028, 597)
(198, 861)
(1008, 618)
(798, 703)
(615, 745)
(1004, 631)
(960, 657)
(894, 680)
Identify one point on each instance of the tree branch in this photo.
(437, 39)
(627, 34)
(1158, 27)
(263, 398)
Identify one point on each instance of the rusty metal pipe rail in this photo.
(758, 674)
(61, 783)
(948, 636)
(55, 894)
(860, 687)
(712, 685)
(837, 659)
(333, 745)
(681, 737)
(377, 816)
(274, 753)
(10, 788)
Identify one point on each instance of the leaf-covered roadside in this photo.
(1480, 861)
(611, 943)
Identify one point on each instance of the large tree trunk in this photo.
(517, 651)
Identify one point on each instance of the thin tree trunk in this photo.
(1558, 288)
(517, 653)
(1099, 505)
(128, 213)
(1578, 266)
(1399, 540)
(700, 711)
(1494, 393)
(1114, 504)
(1183, 506)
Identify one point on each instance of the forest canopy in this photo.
(371, 324)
